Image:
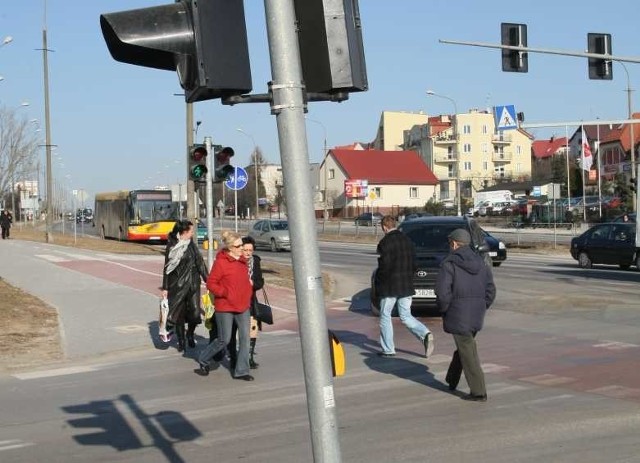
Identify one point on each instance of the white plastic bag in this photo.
(165, 336)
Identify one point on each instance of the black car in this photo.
(368, 219)
(430, 238)
(609, 244)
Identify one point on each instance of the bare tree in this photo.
(18, 149)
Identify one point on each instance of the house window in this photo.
(485, 148)
(466, 129)
(413, 192)
(451, 171)
(332, 174)
(484, 129)
(467, 147)
(485, 165)
(518, 150)
(518, 167)
(467, 166)
(378, 191)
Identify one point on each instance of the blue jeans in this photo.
(418, 329)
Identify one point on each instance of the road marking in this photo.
(494, 368)
(50, 258)
(55, 372)
(547, 380)
(618, 392)
(125, 329)
(277, 333)
(13, 444)
(615, 345)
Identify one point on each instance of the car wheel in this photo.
(584, 261)
(274, 247)
(624, 266)
(497, 264)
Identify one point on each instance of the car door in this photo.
(622, 244)
(598, 245)
(256, 231)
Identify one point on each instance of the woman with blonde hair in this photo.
(231, 287)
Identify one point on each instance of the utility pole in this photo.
(288, 106)
(192, 197)
(47, 125)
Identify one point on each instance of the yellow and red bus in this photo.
(137, 215)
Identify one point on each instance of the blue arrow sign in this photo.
(238, 180)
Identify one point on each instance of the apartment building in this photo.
(389, 136)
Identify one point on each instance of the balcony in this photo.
(502, 176)
(445, 139)
(503, 156)
(445, 158)
(500, 138)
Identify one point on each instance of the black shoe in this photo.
(385, 354)
(202, 370)
(244, 377)
(190, 341)
(180, 346)
(452, 386)
(253, 365)
(475, 398)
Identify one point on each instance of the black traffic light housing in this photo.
(198, 163)
(331, 47)
(205, 41)
(599, 69)
(514, 35)
(222, 161)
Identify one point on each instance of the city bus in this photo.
(138, 215)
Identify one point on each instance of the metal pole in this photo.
(47, 125)
(288, 106)
(192, 197)
(599, 166)
(566, 136)
(255, 165)
(632, 133)
(209, 161)
(235, 198)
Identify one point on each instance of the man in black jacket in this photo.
(394, 284)
(465, 290)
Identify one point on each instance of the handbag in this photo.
(165, 335)
(263, 312)
(208, 309)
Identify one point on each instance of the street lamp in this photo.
(7, 40)
(632, 133)
(255, 164)
(455, 137)
(324, 157)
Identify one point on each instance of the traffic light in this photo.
(514, 35)
(599, 69)
(331, 47)
(198, 163)
(223, 167)
(205, 41)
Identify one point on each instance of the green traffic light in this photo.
(198, 171)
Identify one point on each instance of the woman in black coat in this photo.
(184, 267)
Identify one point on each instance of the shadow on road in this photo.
(166, 428)
(599, 273)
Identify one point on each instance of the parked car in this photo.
(271, 233)
(430, 238)
(368, 219)
(609, 244)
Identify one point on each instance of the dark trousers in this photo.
(465, 359)
(5, 232)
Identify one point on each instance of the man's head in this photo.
(458, 238)
(388, 223)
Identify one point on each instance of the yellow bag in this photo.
(338, 363)
(208, 308)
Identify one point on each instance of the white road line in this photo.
(50, 258)
(55, 372)
(615, 345)
(13, 444)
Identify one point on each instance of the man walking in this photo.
(464, 290)
(5, 223)
(394, 285)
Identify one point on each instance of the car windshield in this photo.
(431, 237)
(279, 225)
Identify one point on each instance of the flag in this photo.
(587, 158)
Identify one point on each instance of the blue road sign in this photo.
(238, 180)
(505, 117)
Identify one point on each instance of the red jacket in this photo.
(230, 284)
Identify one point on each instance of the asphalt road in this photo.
(560, 350)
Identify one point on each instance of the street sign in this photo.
(238, 180)
(505, 117)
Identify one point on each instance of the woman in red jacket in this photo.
(231, 287)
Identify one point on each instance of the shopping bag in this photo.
(165, 335)
(208, 309)
(263, 312)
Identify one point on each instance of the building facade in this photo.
(389, 136)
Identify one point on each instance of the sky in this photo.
(119, 126)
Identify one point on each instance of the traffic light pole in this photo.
(209, 146)
(192, 202)
(288, 106)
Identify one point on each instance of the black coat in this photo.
(464, 290)
(5, 220)
(258, 281)
(183, 283)
(396, 265)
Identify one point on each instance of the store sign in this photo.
(356, 188)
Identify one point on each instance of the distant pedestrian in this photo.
(230, 284)
(394, 285)
(5, 224)
(464, 291)
(183, 269)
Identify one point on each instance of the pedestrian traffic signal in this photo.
(514, 35)
(205, 41)
(331, 47)
(223, 168)
(599, 69)
(198, 163)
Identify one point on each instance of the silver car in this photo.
(273, 234)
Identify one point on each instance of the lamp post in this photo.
(455, 136)
(324, 158)
(7, 40)
(13, 172)
(255, 164)
(631, 128)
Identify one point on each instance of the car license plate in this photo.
(493, 254)
(425, 293)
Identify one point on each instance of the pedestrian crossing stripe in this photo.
(505, 117)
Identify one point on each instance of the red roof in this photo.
(547, 148)
(622, 133)
(385, 167)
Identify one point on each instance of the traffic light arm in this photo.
(547, 51)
